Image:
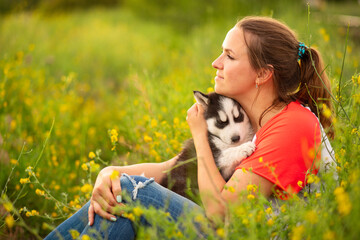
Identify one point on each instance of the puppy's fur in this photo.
(229, 134)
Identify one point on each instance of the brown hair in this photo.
(272, 44)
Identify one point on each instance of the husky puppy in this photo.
(229, 134)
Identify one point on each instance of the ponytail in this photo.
(315, 87)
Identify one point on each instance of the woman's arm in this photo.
(106, 194)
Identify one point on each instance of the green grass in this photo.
(69, 78)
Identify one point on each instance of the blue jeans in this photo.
(148, 192)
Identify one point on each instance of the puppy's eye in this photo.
(220, 122)
(240, 118)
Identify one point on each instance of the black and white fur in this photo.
(229, 134)
(229, 130)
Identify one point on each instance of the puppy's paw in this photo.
(248, 148)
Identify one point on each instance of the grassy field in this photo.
(97, 87)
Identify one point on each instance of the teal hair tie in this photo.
(301, 51)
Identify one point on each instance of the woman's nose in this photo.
(217, 63)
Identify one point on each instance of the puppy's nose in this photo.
(235, 139)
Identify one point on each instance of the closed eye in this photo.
(220, 124)
(230, 57)
(240, 118)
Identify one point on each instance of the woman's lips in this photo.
(217, 77)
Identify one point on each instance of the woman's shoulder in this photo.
(293, 118)
(297, 113)
(294, 113)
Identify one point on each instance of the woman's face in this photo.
(234, 76)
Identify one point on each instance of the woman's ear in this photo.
(265, 74)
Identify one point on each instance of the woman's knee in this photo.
(133, 184)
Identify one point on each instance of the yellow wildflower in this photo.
(326, 111)
(250, 196)
(179, 234)
(138, 211)
(329, 235)
(12, 125)
(14, 161)
(129, 216)
(34, 212)
(24, 180)
(92, 155)
(283, 208)
(65, 209)
(30, 170)
(113, 132)
(176, 121)
(268, 210)
(8, 206)
(85, 237)
(245, 221)
(147, 138)
(251, 188)
(354, 130)
(9, 221)
(259, 216)
(297, 232)
(261, 159)
(114, 138)
(199, 218)
(84, 167)
(40, 192)
(114, 175)
(270, 222)
(220, 232)
(231, 189)
(74, 234)
(94, 166)
(311, 216)
(310, 178)
(153, 123)
(300, 184)
(343, 201)
(86, 188)
(209, 90)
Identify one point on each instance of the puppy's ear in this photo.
(201, 98)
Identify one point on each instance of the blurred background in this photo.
(89, 83)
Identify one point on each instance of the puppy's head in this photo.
(225, 118)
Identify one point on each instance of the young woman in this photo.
(273, 76)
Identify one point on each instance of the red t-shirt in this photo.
(287, 146)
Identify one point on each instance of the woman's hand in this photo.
(195, 119)
(106, 195)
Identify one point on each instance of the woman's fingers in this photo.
(106, 196)
(116, 189)
(99, 210)
(200, 109)
(103, 191)
(91, 214)
(195, 110)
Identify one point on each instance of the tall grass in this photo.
(103, 87)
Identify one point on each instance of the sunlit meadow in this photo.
(91, 88)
